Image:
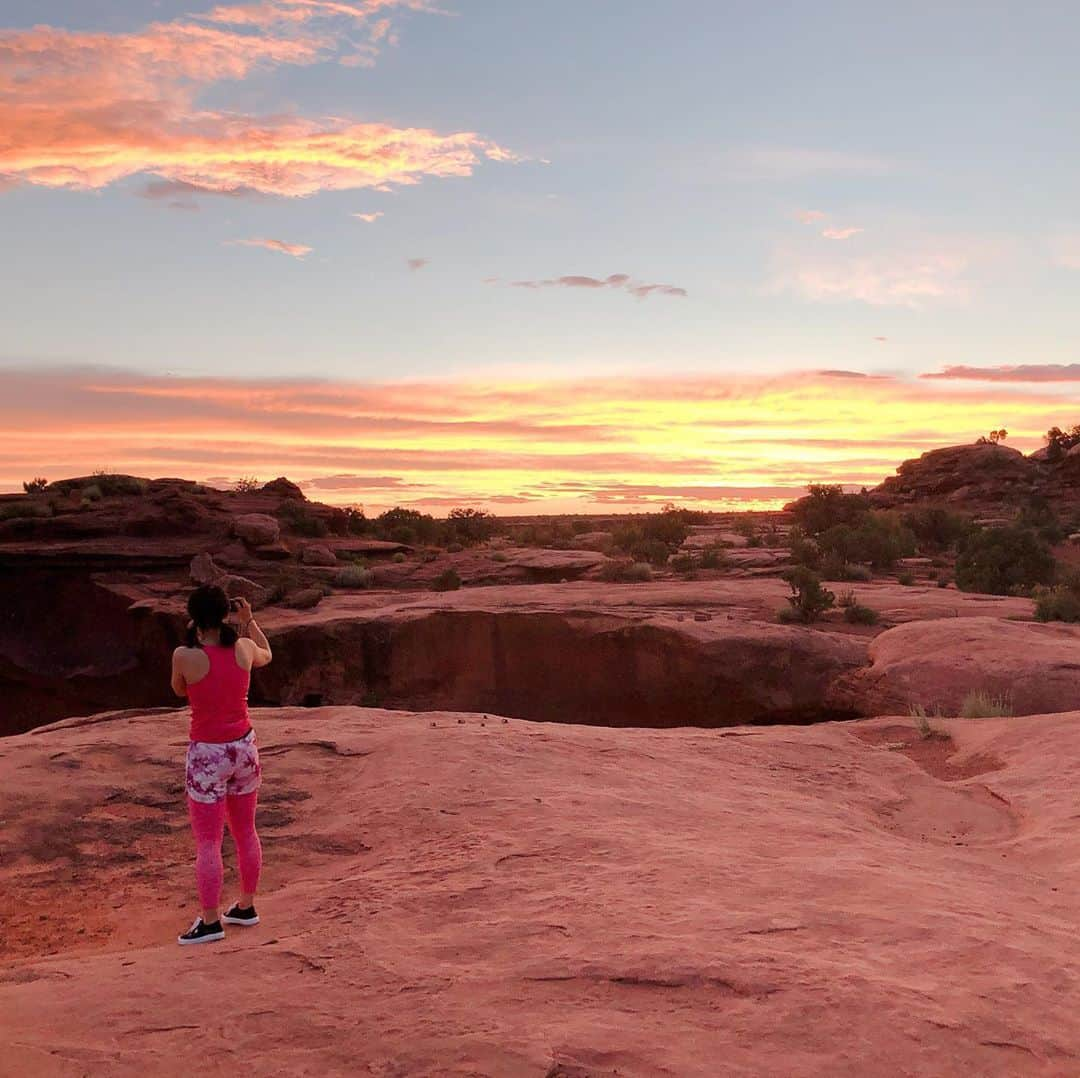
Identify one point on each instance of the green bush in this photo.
(580, 527)
(354, 576)
(714, 556)
(808, 599)
(297, 516)
(879, 538)
(498, 555)
(471, 525)
(835, 568)
(906, 578)
(398, 557)
(447, 580)
(653, 537)
(1060, 603)
(827, 506)
(936, 529)
(35, 486)
(1003, 561)
(683, 563)
(625, 571)
(857, 614)
(804, 551)
(981, 704)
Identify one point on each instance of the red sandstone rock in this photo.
(443, 898)
(937, 663)
(318, 554)
(256, 529)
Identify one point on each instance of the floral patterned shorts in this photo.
(216, 771)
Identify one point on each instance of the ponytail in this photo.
(208, 607)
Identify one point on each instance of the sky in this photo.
(558, 257)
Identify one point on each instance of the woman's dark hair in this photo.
(208, 607)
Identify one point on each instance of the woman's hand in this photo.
(242, 612)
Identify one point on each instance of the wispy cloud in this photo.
(1023, 372)
(86, 109)
(417, 263)
(840, 233)
(566, 444)
(297, 250)
(368, 218)
(809, 217)
(795, 162)
(615, 280)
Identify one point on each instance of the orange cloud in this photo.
(367, 218)
(1024, 372)
(297, 250)
(84, 110)
(560, 445)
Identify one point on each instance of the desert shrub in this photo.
(755, 541)
(286, 581)
(92, 493)
(650, 551)
(625, 571)
(714, 557)
(111, 484)
(834, 567)
(857, 614)
(498, 555)
(826, 506)
(808, 599)
(907, 578)
(653, 537)
(772, 536)
(471, 525)
(683, 563)
(936, 529)
(804, 551)
(247, 484)
(447, 580)
(35, 486)
(409, 526)
(943, 580)
(580, 527)
(879, 538)
(429, 556)
(297, 516)
(981, 704)
(1038, 515)
(398, 557)
(24, 510)
(1003, 561)
(354, 576)
(1059, 603)
(1059, 442)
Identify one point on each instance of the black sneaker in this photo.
(237, 916)
(202, 933)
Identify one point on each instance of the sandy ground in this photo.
(461, 895)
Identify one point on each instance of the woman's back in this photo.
(219, 706)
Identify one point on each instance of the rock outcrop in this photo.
(449, 894)
(257, 529)
(1034, 668)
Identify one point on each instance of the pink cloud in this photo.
(615, 280)
(86, 109)
(297, 250)
(840, 233)
(417, 263)
(368, 218)
(1025, 372)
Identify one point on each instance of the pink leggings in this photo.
(208, 823)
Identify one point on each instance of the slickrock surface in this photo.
(457, 895)
(937, 663)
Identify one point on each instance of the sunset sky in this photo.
(554, 257)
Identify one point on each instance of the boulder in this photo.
(256, 529)
(305, 599)
(272, 552)
(235, 556)
(318, 554)
(239, 587)
(204, 571)
(936, 664)
(284, 488)
(592, 541)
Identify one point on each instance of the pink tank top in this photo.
(219, 707)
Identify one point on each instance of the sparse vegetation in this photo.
(300, 518)
(943, 580)
(684, 564)
(936, 529)
(1059, 442)
(981, 704)
(35, 486)
(922, 722)
(471, 525)
(906, 578)
(454, 548)
(625, 571)
(857, 614)
(654, 537)
(879, 538)
(354, 576)
(247, 484)
(398, 557)
(808, 599)
(714, 556)
(835, 568)
(804, 551)
(1059, 603)
(447, 580)
(1003, 561)
(92, 493)
(995, 437)
(827, 506)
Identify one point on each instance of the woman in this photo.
(214, 672)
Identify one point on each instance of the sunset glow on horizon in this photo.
(412, 255)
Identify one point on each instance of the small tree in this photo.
(808, 599)
(35, 486)
(1004, 561)
(247, 484)
(993, 438)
